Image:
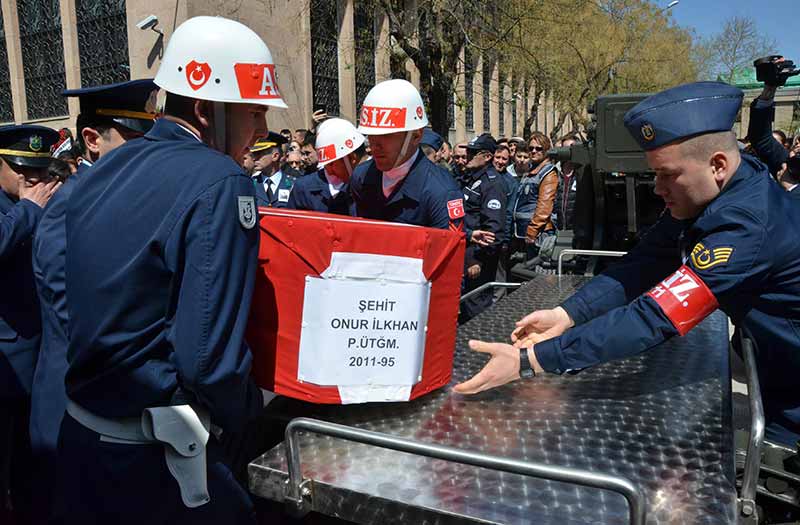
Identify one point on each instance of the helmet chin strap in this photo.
(403, 150)
(220, 128)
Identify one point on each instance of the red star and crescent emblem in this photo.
(348, 143)
(419, 111)
(197, 74)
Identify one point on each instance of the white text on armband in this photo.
(684, 298)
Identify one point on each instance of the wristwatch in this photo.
(525, 368)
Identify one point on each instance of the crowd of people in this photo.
(125, 377)
(515, 196)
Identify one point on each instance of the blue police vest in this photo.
(527, 197)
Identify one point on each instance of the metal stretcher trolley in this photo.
(646, 439)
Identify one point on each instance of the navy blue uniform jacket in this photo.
(427, 196)
(48, 398)
(313, 193)
(280, 196)
(20, 324)
(485, 201)
(744, 248)
(160, 273)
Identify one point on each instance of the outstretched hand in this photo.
(502, 368)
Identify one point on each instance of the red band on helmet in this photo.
(684, 298)
(326, 153)
(376, 117)
(256, 81)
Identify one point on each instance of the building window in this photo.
(102, 42)
(6, 107)
(469, 94)
(487, 82)
(42, 57)
(325, 56)
(364, 28)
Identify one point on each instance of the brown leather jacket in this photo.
(544, 207)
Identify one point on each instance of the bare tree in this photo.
(734, 48)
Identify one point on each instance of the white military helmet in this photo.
(392, 106)
(336, 138)
(221, 60)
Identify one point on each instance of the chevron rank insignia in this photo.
(704, 258)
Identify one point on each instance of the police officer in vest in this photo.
(399, 184)
(160, 269)
(485, 207)
(339, 150)
(273, 186)
(109, 116)
(24, 191)
(534, 203)
(727, 240)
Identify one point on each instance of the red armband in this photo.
(684, 298)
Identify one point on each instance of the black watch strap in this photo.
(525, 368)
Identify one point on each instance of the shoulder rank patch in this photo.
(703, 258)
(247, 211)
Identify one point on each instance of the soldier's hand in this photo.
(39, 193)
(474, 271)
(502, 368)
(482, 238)
(540, 326)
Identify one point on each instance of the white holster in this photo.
(182, 430)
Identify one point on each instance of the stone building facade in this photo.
(328, 54)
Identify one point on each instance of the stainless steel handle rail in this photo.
(484, 286)
(299, 498)
(597, 253)
(752, 462)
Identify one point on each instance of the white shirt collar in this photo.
(190, 132)
(276, 178)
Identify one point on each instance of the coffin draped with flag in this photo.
(350, 310)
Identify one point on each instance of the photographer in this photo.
(774, 71)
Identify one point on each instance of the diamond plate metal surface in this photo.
(661, 419)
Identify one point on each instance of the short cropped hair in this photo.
(703, 146)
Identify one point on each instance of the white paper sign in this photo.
(363, 332)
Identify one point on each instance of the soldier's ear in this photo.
(91, 140)
(721, 165)
(202, 112)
